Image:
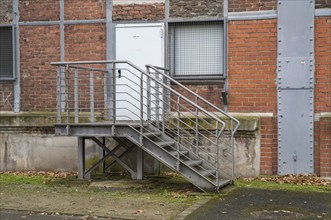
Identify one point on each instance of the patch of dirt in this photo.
(301, 179)
(162, 198)
(277, 214)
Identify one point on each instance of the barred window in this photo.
(6, 53)
(196, 49)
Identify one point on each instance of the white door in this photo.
(140, 44)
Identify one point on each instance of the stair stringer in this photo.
(169, 160)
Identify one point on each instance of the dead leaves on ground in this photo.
(300, 179)
(55, 174)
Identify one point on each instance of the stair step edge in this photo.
(193, 163)
(182, 152)
(164, 144)
(206, 173)
(151, 134)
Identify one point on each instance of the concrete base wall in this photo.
(27, 143)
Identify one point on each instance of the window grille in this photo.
(6, 53)
(196, 49)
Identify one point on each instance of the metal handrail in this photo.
(157, 68)
(160, 83)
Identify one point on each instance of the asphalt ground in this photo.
(245, 203)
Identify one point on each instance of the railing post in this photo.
(148, 96)
(232, 146)
(58, 96)
(217, 156)
(157, 99)
(92, 116)
(67, 97)
(196, 127)
(141, 108)
(178, 132)
(114, 97)
(76, 96)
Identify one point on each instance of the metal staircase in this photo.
(148, 111)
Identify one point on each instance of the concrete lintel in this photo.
(252, 15)
(323, 12)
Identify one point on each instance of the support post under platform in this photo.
(81, 157)
(140, 164)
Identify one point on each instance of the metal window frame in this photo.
(13, 77)
(193, 78)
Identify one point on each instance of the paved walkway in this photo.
(246, 203)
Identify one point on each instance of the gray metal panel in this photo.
(295, 79)
(296, 28)
(295, 72)
(295, 131)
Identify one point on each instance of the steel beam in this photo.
(17, 82)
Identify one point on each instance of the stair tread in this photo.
(151, 134)
(193, 162)
(182, 152)
(165, 143)
(207, 172)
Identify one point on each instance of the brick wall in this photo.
(268, 162)
(325, 146)
(211, 92)
(6, 10)
(323, 64)
(40, 46)
(322, 102)
(252, 66)
(199, 8)
(39, 10)
(322, 3)
(87, 9)
(251, 5)
(85, 42)
(138, 12)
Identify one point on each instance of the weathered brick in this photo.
(39, 47)
(138, 12)
(200, 8)
(6, 11)
(251, 5)
(84, 10)
(322, 3)
(39, 10)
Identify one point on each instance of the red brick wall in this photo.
(39, 47)
(268, 162)
(323, 95)
(39, 10)
(323, 64)
(138, 12)
(85, 42)
(6, 95)
(211, 92)
(87, 9)
(252, 66)
(252, 5)
(325, 146)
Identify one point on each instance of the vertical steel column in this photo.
(17, 82)
(149, 106)
(110, 80)
(295, 86)
(178, 133)
(81, 157)
(225, 53)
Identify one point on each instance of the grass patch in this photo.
(258, 184)
(10, 179)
